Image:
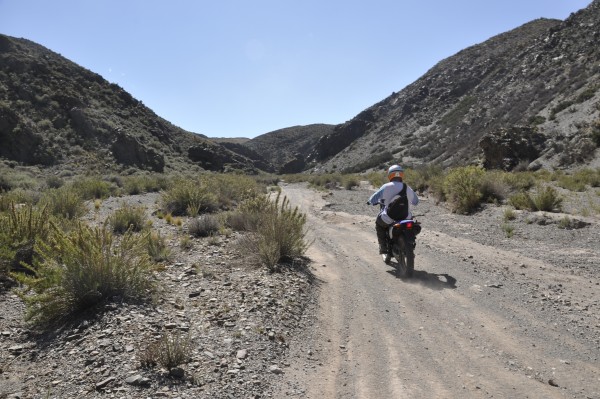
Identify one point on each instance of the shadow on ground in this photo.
(429, 280)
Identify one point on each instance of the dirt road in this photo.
(476, 320)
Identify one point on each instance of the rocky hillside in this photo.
(528, 96)
(54, 112)
(287, 149)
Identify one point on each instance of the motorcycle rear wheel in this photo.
(405, 256)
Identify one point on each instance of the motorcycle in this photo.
(402, 240)
(401, 246)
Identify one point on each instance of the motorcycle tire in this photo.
(405, 256)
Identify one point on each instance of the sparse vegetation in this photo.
(203, 225)
(170, 351)
(128, 217)
(76, 271)
(278, 231)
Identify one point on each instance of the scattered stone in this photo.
(275, 370)
(242, 353)
(137, 380)
(104, 383)
(177, 372)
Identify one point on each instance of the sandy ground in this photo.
(484, 316)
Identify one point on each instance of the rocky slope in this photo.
(287, 149)
(543, 75)
(53, 111)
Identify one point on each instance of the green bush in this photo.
(420, 179)
(509, 230)
(186, 196)
(92, 188)
(462, 188)
(16, 197)
(579, 180)
(519, 180)
(139, 184)
(81, 269)
(509, 214)
(64, 202)
(231, 189)
(20, 229)
(546, 199)
(128, 217)
(521, 200)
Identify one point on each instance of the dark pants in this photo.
(381, 228)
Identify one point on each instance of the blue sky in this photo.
(240, 68)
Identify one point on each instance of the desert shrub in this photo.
(493, 188)
(20, 229)
(520, 181)
(377, 179)
(128, 217)
(546, 199)
(462, 188)
(158, 250)
(83, 268)
(138, 184)
(325, 181)
(54, 182)
(64, 202)
(231, 189)
(350, 181)
(91, 188)
(509, 214)
(521, 200)
(11, 179)
(279, 231)
(184, 195)
(16, 197)
(579, 179)
(239, 220)
(420, 179)
(203, 226)
(170, 351)
(509, 229)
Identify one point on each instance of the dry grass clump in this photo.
(64, 202)
(139, 184)
(203, 226)
(128, 217)
(158, 250)
(93, 187)
(76, 271)
(188, 197)
(20, 229)
(545, 198)
(277, 230)
(170, 351)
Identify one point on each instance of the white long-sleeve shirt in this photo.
(387, 192)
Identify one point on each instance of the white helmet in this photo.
(395, 171)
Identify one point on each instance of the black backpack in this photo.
(397, 209)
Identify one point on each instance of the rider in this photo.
(383, 196)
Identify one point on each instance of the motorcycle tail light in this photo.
(409, 225)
